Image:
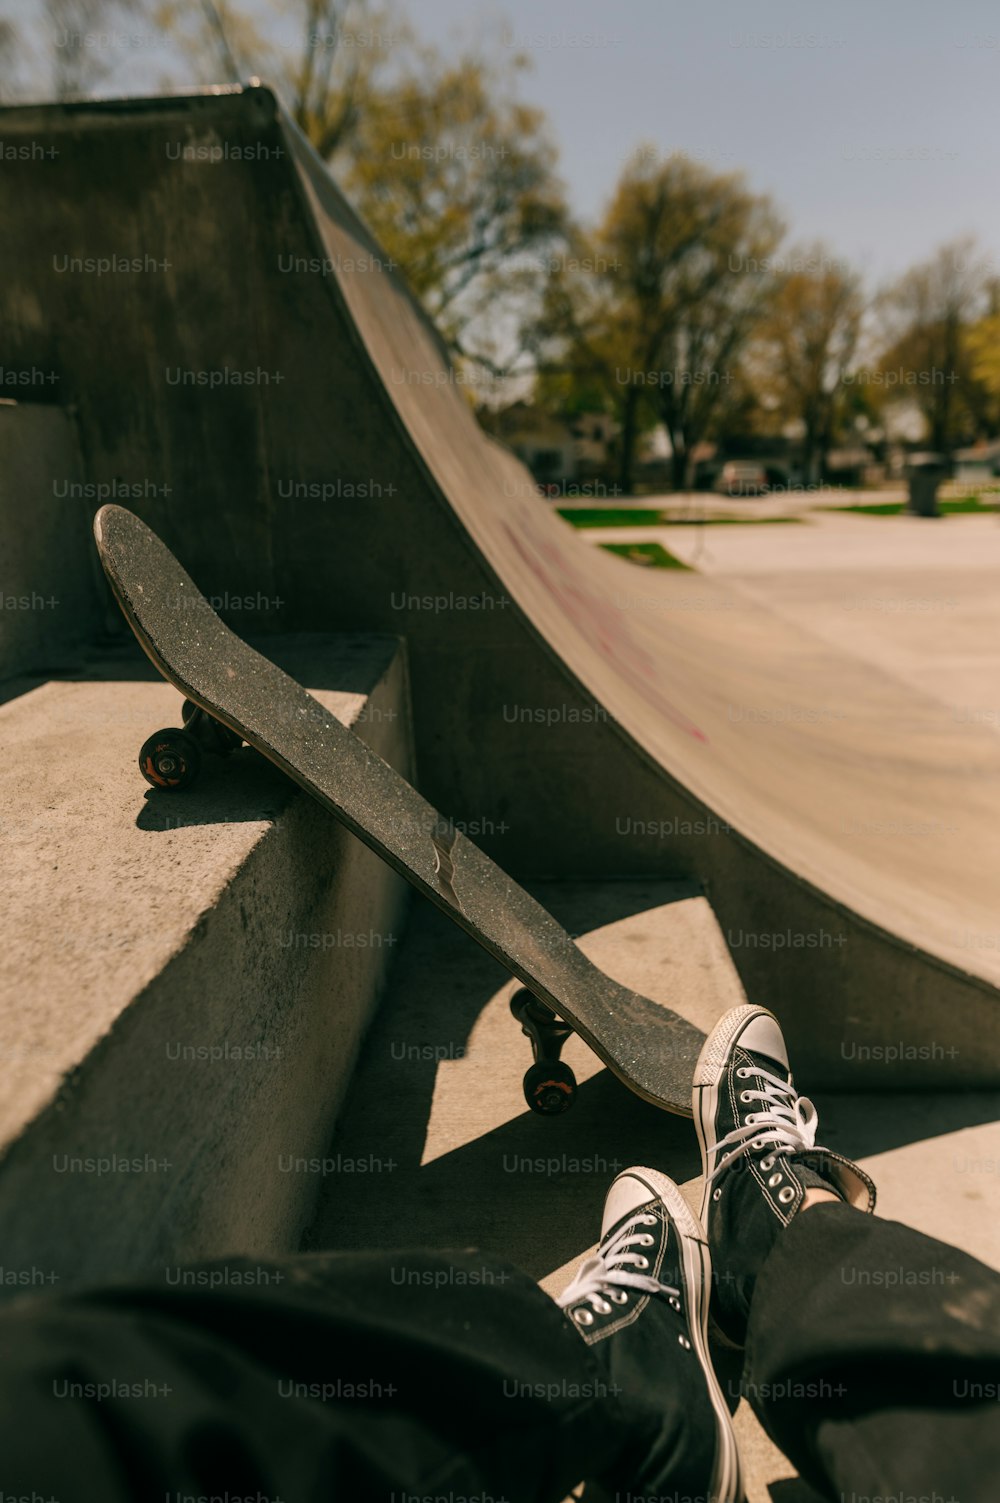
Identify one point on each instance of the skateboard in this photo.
(234, 695)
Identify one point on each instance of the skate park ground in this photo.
(914, 596)
(917, 598)
(467, 1165)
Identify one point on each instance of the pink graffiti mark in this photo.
(600, 624)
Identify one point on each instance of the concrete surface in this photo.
(703, 505)
(916, 598)
(50, 595)
(460, 1161)
(186, 977)
(693, 506)
(576, 711)
(446, 1052)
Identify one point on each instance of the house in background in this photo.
(545, 444)
(558, 452)
(850, 465)
(979, 465)
(593, 435)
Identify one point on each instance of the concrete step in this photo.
(458, 1149)
(187, 976)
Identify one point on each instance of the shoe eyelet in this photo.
(603, 1308)
(583, 1317)
(649, 1220)
(744, 1095)
(768, 1163)
(641, 1262)
(786, 1195)
(716, 1193)
(775, 1179)
(683, 1341)
(742, 1073)
(674, 1302)
(619, 1296)
(646, 1241)
(751, 1119)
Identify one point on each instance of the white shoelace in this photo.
(614, 1268)
(788, 1120)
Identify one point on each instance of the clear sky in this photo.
(875, 124)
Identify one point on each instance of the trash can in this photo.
(925, 473)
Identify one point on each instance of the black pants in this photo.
(873, 1360)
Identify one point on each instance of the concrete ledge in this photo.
(188, 976)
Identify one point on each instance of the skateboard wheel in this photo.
(170, 759)
(550, 1087)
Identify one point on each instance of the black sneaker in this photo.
(642, 1302)
(759, 1156)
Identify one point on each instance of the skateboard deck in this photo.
(649, 1047)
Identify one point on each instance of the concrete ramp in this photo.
(287, 419)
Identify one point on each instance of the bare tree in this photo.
(79, 29)
(324, 76)
(8, 56)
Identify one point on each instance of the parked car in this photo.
(742, 477)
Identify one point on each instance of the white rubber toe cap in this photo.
(762, 1035)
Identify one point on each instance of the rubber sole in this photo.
(709, 1073)
(727, 1480)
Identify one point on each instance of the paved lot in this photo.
(471, 1166)
(916, 597)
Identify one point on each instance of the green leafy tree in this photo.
(457, 179)
(663, 303)
(808, 342)
(983, 345)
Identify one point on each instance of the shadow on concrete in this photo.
(583, 906)
(530, 1191)
(524, 1187)
(244, 786)
(794, 1490)
(239, 789)
(463, 1163)
(861, 1125)
(329, 660)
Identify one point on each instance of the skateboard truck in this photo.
(549, 1085)
(172, 758)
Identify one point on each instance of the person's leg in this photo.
(354, 1376)
(873, 1353)
(887, 1382)
(374, 1375)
